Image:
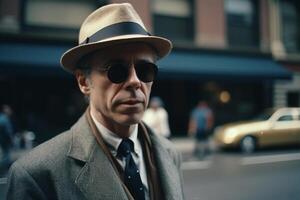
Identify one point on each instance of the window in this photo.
(293, 99)
(286, 118)
(56, 14)
(290, 24)
(242, 23)
(173, 19)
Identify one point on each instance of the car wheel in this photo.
(248, 144)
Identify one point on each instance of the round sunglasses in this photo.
(118, 72)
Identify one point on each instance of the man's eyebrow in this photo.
(116, 60)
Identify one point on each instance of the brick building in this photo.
(240, 55)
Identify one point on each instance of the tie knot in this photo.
(125, 148)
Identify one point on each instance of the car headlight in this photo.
(229, 135)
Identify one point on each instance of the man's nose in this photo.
(133, 80)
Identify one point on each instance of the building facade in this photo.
(240, 55)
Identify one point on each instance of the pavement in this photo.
(184, 145)
(266, 174)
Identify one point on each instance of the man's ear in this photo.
(83, 82)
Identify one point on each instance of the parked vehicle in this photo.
(274, 127)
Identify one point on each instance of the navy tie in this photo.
(132, 177)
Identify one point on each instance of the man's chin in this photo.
(129, 119)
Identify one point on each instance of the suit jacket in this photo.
(73, 166)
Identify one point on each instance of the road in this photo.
(268, 174)
(233, 176)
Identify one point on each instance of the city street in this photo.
(267, 174)
(205, 74)
(232, 176)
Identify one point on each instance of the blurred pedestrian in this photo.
(200, 127)
(29, 138)
(109, 153)
(156, 117)
(6, 133)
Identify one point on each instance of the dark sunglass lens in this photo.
(146, 72)
(117, 73)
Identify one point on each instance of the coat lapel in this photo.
(168, 171)
(96, 179)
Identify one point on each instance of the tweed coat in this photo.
(73, 166)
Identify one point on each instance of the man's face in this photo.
(119, 103)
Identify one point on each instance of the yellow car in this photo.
(274, 127)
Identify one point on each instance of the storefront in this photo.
(237, 86)
(46, 99)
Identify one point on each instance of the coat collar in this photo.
(168, 166)
(97, 174)
(83, 141)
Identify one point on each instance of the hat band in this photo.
(123, 28)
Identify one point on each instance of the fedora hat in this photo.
(111, 25)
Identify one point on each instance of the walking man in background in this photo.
(6, 134)
(200, 126)
(109, 154)
(156, 117)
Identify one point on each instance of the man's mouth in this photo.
(132, 102)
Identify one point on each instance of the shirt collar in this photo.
(113, 140)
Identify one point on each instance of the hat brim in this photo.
(70, 58)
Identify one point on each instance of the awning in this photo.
(31, 59)
(180, 64)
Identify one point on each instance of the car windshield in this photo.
(265, 115)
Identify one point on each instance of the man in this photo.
(108, 154)
(6, 134)
(200, 125)
(156, 117)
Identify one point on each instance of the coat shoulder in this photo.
(44, 172)
(169, 147)
(165, 142)
(47, 154)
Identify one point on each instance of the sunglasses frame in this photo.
(126, 66)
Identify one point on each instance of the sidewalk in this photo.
(183, 144)
(186, 144)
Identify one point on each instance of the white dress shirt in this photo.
(113, 141)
